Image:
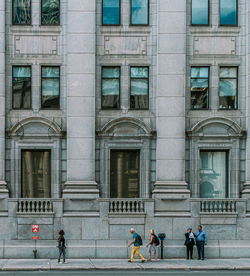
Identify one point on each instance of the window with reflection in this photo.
(36, 174)
(50, 87)
(124, 173)
(139, 12)
(200, 12)
(139, 87)
(199, 87)
(50, 12)
(213, 174)
(21, 12)
(21, 87)
(228, 12)
(110, 87)
(228, 87)
(111, 12)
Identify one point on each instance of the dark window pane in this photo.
(200, 12)
(228, 88)
(199, 87)
(124, 174)
(22, 12)
(111, 72)
(111, 12)
(228, 12)
(36, 174)
(139, 12)
(21, 88)
(50, 12)
(50, 87)
(213, 174)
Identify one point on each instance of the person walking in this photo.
(189, 242)
(61, 246)
(201, 241)
(153, 243)
(137, 242)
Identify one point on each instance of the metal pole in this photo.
(162, 249)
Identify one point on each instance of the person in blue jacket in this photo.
(201, 241)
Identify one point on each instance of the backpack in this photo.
(139, 239)
(156, 240)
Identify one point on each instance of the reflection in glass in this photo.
(228, 12)
(50, 12)
(110, 87)
(139, 88)
(50, 87)
(36, 174)
(21, 88)
(200, 12)
(111, 12)
(228, 88)
(139, 12)
(213, 174)
(124, 174)
(199, 87)
(22, 12)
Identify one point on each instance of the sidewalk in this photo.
(101, 264)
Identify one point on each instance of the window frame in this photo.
(41, 93)
(59, 22)
(36, 150)
(136, 66)
(229, 25)
(12, 96)
(208, 97)
(119, 102)
(227, 151)
(237, 86)
(148, 17)
(208, 16)
(15, 24)
(119, 16)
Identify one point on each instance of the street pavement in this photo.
(121, 264)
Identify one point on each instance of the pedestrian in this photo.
(137, 242)
(201, 241)
(153, 243)
(61, 246)
(189, 242)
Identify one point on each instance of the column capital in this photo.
(246, 190)
(4, 192)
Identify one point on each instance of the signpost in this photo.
(162, 237)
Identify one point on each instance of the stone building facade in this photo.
(107, 126)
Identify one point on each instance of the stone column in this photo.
(3, 185)
(170, 153)
(246, 189)
(80, 44)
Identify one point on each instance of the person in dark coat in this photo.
(61, 246)
(189, 242)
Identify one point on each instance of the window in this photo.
(139, 87)
(228, 87)
(111, 87)
(36, 174)
(111, 12)
(124, 174)
(200, 12)
(50, 12)
(228, 12)
(199, 87)
(21, 87)
(139, 12)
(51, 87)
(21, 12)
(213, 174)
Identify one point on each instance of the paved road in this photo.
(125, 273)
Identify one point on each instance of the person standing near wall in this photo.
(201, 241)
(189, 242)
(137, 242)
(61, 246)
